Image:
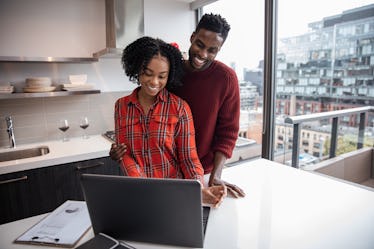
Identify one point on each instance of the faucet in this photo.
(12, 139)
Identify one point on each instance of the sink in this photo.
(23, 153)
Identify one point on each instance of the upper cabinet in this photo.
(51, 30)
(83, 31)
(54, 38)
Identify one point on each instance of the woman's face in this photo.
(155, 76)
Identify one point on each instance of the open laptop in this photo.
(161, 211)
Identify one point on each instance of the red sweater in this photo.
(213, 96)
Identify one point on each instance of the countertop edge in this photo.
(60, 153)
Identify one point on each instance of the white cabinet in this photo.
(55, 29)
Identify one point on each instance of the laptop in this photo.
(161, 211)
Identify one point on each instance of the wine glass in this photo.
(64, 126)
(84, 125)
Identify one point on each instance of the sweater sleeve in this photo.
(227, 126)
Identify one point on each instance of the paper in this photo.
(63, 227)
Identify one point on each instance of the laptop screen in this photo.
(162, 211)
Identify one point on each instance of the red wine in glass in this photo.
(84, 125)
(64, 126)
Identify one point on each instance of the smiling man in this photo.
(211, 89)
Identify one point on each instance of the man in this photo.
(211, 89)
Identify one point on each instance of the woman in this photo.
(154, 128)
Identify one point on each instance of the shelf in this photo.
(48, 59)
(46, 94)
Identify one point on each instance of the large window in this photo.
(243, 51)
(324, 61)
(322, 66)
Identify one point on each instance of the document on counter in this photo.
(62, 227)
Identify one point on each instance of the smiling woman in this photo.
(155, 134)
(147, 120)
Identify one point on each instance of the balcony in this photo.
(357, 166)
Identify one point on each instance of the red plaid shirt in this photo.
(160, 144)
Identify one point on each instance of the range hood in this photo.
(124, 21)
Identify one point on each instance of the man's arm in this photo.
(226, 133)
(215, 176)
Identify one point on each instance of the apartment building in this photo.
(329, 68)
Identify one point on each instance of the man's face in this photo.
(205, 46)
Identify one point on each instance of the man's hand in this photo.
(214, 195)
(117, 151)
(232, 189)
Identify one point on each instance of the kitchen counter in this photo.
(76, 149)
(284, 207)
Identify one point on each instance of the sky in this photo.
(244, 44)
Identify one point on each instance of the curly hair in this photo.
(215, 23)
(137, 55)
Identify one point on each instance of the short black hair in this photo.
(137, 55)
(215, 23)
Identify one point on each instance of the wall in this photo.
(41, 27)
(37, 119)
(76, 28)
(71, 28)
(173, 22)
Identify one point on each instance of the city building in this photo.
(329, 68)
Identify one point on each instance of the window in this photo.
(321, 63)
(243, 51)
(328, 42)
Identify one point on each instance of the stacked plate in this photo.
(78, 79)
(77, 83)
(6, 88)
(38, 84)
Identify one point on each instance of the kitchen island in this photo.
(284, 207)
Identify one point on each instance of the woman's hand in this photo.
(117, 151)
(214, 195)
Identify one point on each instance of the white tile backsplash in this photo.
(36, 119)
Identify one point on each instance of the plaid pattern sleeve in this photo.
(160, 144)
(186, 145)
(130, 169)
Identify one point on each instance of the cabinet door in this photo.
(27, 193)
(13, 190)
(37, 191)
(68, 176)
(103, 166)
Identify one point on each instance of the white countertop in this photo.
(284, 208)
(76, 149)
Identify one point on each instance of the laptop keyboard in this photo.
(206, 211)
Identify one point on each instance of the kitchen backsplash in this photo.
(37, 119)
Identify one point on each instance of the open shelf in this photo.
(48, 59)
(46, 94)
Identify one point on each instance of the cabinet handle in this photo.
(22, 178)
(90, 166)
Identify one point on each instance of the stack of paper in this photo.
(63, 227)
